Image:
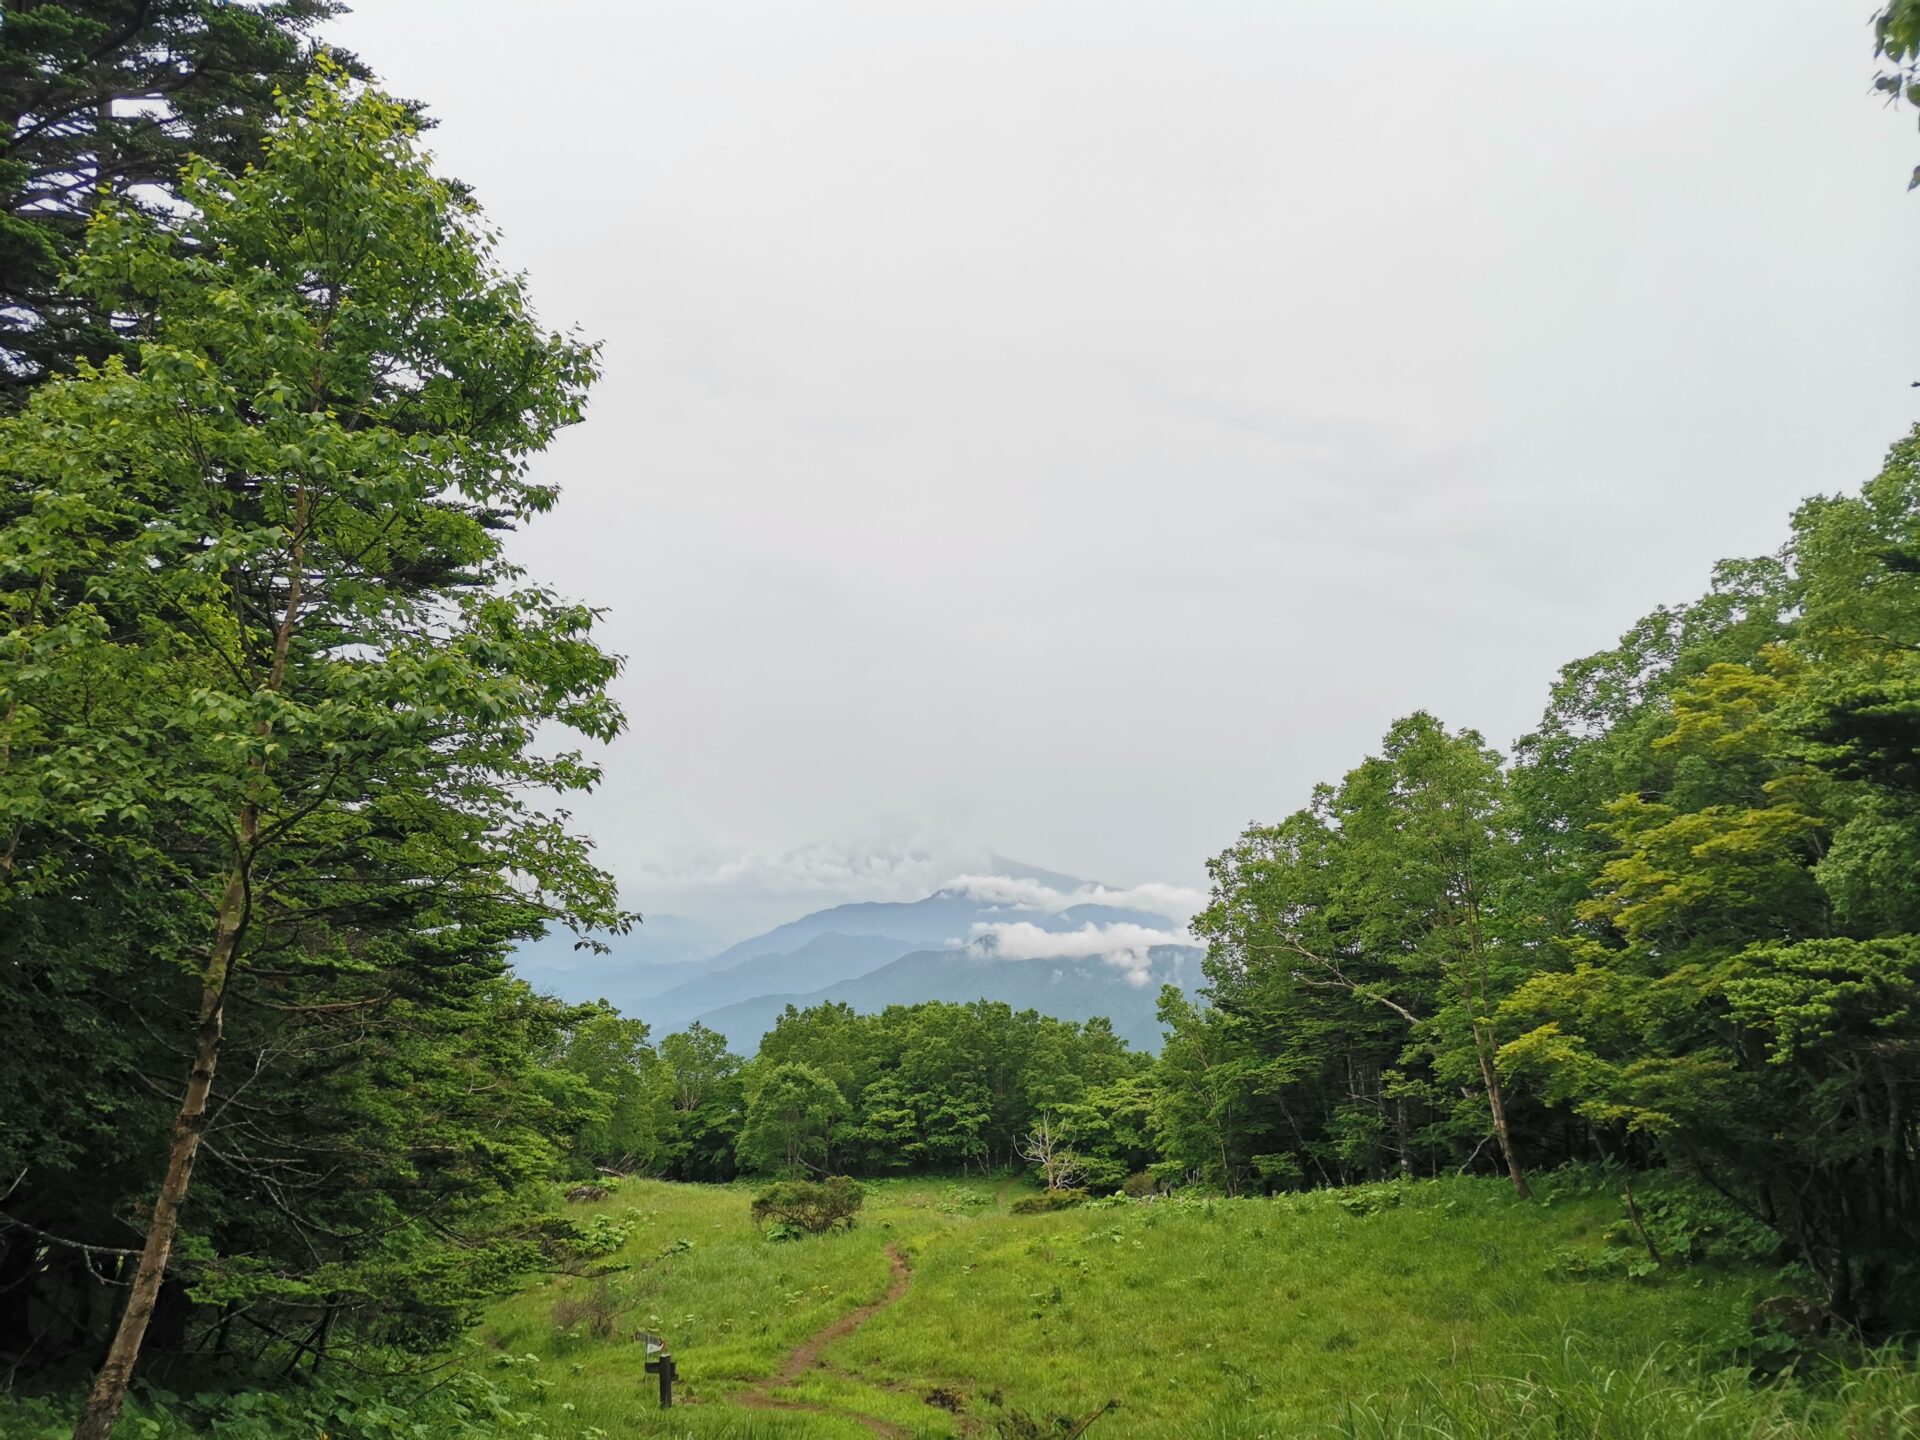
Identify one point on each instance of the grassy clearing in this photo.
(1434, 1309)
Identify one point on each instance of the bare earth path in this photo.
(807, 1356)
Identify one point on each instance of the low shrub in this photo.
(963, 1200)
(595, 1313)
(597, 1238)
(1047, 1201)
(1139, 1185)
(807, 1206)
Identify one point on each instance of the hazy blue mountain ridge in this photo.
(870, 954)
(938, 918)
(822, 961)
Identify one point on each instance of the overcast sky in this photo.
(1072, 429)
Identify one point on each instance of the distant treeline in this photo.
(930, 1087)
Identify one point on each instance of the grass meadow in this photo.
(1433, 1309)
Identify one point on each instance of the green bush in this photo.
(1047, 1201)
(1098, 1176)
(808, 1206)
(1139, 1185)
(597, 1238)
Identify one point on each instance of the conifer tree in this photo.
(105, 100)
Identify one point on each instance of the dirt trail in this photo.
(807, 1355)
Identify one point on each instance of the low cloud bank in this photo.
(1176, 902)
(1128, 948)
(739, 891)
(888, 870)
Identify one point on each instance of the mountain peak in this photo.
(1052, 879)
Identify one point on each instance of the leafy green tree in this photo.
(707, 1100)
(1370, 930)
(1640, 1032)
(1114, 1126)
(954, 1067)
(791, 1110)
(831, 1038)
(333, 672)
(1595, 742)
(700, 1063)
(1742, 990)
(627, 1092)
(885, 1130)
(1896, 37)
(1203, 1115)
(1424, 860)
(1314, 1058)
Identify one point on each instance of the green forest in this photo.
(1612, 1033)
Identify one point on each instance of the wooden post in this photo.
(660, 1363)
(667, 1371)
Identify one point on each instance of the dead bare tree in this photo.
(1049, 1148)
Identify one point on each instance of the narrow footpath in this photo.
(806, 1356)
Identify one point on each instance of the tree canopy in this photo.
(275, 702)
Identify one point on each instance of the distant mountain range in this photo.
(1021, 935)
(656, 956)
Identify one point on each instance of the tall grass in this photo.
(1281, 1316)
(1574, 1392)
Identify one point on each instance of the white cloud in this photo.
(1125, 947)
(738, 891)
(1176, 902)
(865, 868)
(742, 890)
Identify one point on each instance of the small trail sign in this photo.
(660, 1363)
